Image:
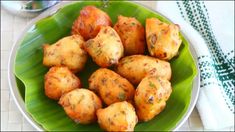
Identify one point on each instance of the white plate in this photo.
(20, 102)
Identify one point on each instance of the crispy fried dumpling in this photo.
(110, 86)
(134, 68)
(106, 48)
(119, 116)
(163, 39)
(81, 105)
(132, 34)
(68, 52)
(89, 22)
(151, 96)
(58, 81)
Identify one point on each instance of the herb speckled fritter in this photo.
(110, 86)
(163, 39)
(119, 116)
(68, 52)
(89, 22)
(132, 34)
(134, 68)
(81, 105)
(58, 81)
(151, 96)
(106, 48)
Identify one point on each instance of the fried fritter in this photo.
(151, 96)
(110, 86)
(106, 48)
(81, 105)
(89, 22)
(132, 34)
(134, 68)
(67, 51)
(163, 39)
(119, 116)
(58, 81)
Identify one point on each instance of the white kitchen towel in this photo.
(213, 41)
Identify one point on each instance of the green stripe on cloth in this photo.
(216, 65)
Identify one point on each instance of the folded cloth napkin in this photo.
(213, 41)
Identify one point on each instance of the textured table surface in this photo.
(11, 118)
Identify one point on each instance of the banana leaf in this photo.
(30, 71)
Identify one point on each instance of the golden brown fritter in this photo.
(81, 105)
(119, 116)
(106, 48)
(66, 52)
(163, 39)
(134, 68)
(90, 21)
(151, 96)
(58, 81)
(132, 34)
(110, 86)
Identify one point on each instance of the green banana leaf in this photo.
(30, 72)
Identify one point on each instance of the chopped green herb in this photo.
(152, 46)
(152, 85)
(122, 96)
(128, 60)
(123, 112)
(79, 101)
(98, 52)
(73, 106)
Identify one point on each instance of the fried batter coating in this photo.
(81, 105)
(90, 21)
(58, 81)
(106, 48)
(151, 96)
(110, 86)
(132, 34)
(134, 68)
(119, 116)
(163, 39)
(66, 52)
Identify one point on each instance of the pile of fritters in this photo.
(138, 88)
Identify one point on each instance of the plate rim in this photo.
(19, 100)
